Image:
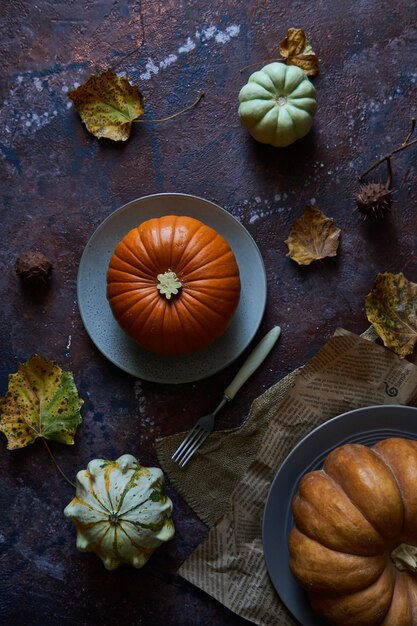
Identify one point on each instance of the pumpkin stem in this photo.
(404, 557)
(168, 284)
(57, 466)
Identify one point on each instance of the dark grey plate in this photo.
(110, 338)
(366, 426)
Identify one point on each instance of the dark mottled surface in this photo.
(59, 183)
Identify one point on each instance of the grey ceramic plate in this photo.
(366, 426)
(109, 337)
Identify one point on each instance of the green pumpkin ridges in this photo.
(258, 80)
(154, 527)
(78, 500)
(154, 497)
(108, 469)
(93, 493)
(106, 530)
(138, 547)
(138, 472)
(115, 546)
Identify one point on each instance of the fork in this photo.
(205, 425)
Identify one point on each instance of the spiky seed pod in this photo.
(374, 200)
(33, 268)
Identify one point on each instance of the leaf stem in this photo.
(406, 144)
(413, 125)
(170, 117)
(280, 60)
(57, 466)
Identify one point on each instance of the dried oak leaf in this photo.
(41, 401)
(108, 104)
(296, 50)
(391, 307)
(312, 237)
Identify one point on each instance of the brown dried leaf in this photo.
(312, 237)
(296, 50)
(391, 307)
(108, 104)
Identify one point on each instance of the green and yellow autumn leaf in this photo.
(295, 49)
(312, 237)
(108, 104)
(41, 401)
(391, 307)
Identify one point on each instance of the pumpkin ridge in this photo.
(106, 530)
(153, 527)
(127, 263)
(149, 264)
(341, 490)
(186, 303)
(354, 620)
(164, 331)
(147, 244)
(288, 77)
(401, 491)
(176, 310)
(137, 506)
(133, 542)
(129, 484)
(277, 119)
(354, 503)
(133, 285)
(89, 506)
(189, 242)
(93, 493)
(171, 251)
(278, 80)
(207, 289)
(107, 471)
(202, 304)
(204, 266)
(270, 90)
(151, 303)
(286, 111)
(143, 295)
(149, 319)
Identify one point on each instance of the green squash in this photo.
(120, 511)
(277, 104)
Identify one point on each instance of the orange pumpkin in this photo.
(354, 543)
(173, 284)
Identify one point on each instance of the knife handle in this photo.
(253, 362)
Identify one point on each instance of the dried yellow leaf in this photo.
(41, 401)
(391, 307)
(312, 237)
(295, 49)
(108, 104)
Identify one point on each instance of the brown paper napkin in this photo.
(231, 475)
(207, 482)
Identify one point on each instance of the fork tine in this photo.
(189, 439)
(190, 445)
(189, 453)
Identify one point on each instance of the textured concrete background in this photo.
(59, 183)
